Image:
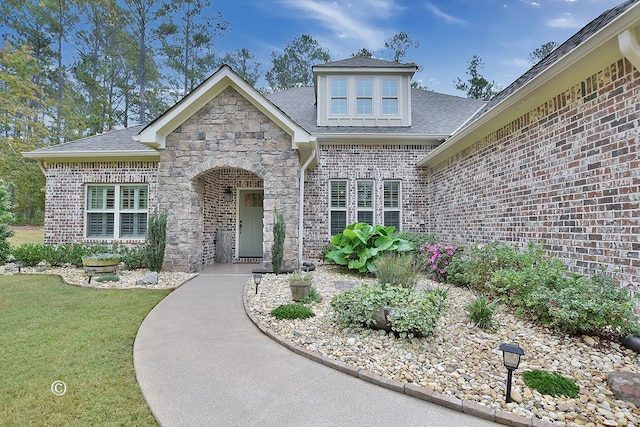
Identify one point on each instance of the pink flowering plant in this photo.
(437, 258)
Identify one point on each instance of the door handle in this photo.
(240, 231)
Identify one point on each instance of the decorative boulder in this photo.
(149, 279)
(625, 386)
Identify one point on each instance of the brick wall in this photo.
(65, 194)
(566, 173)
(370, 162)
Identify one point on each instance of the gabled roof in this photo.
(155, 133)
(360, 62)
(433, 115)
(117, 145)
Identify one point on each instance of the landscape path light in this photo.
(257, 277)
(511, 358)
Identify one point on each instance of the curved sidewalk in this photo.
(200, 361)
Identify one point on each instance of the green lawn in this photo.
(84, 337)
(26, 234)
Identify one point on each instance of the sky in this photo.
(503, 33)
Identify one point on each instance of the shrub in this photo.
(5, 219)
(477, 264)
(437, 258)
(412, 312)
(416, 239)
(156, 240)
(480, 311)
(134, 257)
(397, 269)
(277, 250)
(581, 305)
(551, 383)
(292, 311)
(360, 243)
(31, 254)
(312, 298)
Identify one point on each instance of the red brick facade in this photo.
(566, 174)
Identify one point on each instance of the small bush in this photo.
(109, 278)
(135, 257)
(412, 312)
(581, 305)
(437, 258)
(156, 240)
(312, 298)
(551, 383)
(292, 311)
(397, 269)
(481, 312)
(416, 239)
(277, 249)
(31, 254)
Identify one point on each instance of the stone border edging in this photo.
(423, 393)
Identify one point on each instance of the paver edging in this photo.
(467, 406)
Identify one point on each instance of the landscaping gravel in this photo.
(461, 360)
(128, 278)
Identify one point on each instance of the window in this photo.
(364, 97)
(389, 97)
(392, 204)
(338, 207)
(339, 97)
(365, 202)
(117, 211)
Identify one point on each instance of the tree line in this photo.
(75, 68)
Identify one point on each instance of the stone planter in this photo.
(299, 289)
(101, 266)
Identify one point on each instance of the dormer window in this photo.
(339, 97)
(364, 97)
(390, 97)
(363, 92)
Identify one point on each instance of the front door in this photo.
(250, 213)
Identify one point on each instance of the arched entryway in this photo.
(232, 215)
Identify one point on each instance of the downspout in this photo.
(629, 46)
(303, 172)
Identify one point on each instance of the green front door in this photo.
(250, 213)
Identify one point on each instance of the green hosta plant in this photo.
(360, 243)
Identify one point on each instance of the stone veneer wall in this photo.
(364, 162)
(65, 194)
(566, 174)
(229, 132)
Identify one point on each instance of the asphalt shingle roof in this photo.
(117, 140)
(432, 113)
(360, 62)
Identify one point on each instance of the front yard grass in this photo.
(82, 336)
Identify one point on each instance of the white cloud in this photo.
(517, 62)
(354, 21)
(440, 14)
(566, 21)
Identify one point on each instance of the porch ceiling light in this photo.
(511, 358)
(228, 195)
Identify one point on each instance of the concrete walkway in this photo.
(200, 361)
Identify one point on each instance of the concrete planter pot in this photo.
(299, 289)
(101, 265)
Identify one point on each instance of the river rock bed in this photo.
(460, 359)
(128, 278)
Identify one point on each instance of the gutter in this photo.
(303, 172)
(79, 155)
